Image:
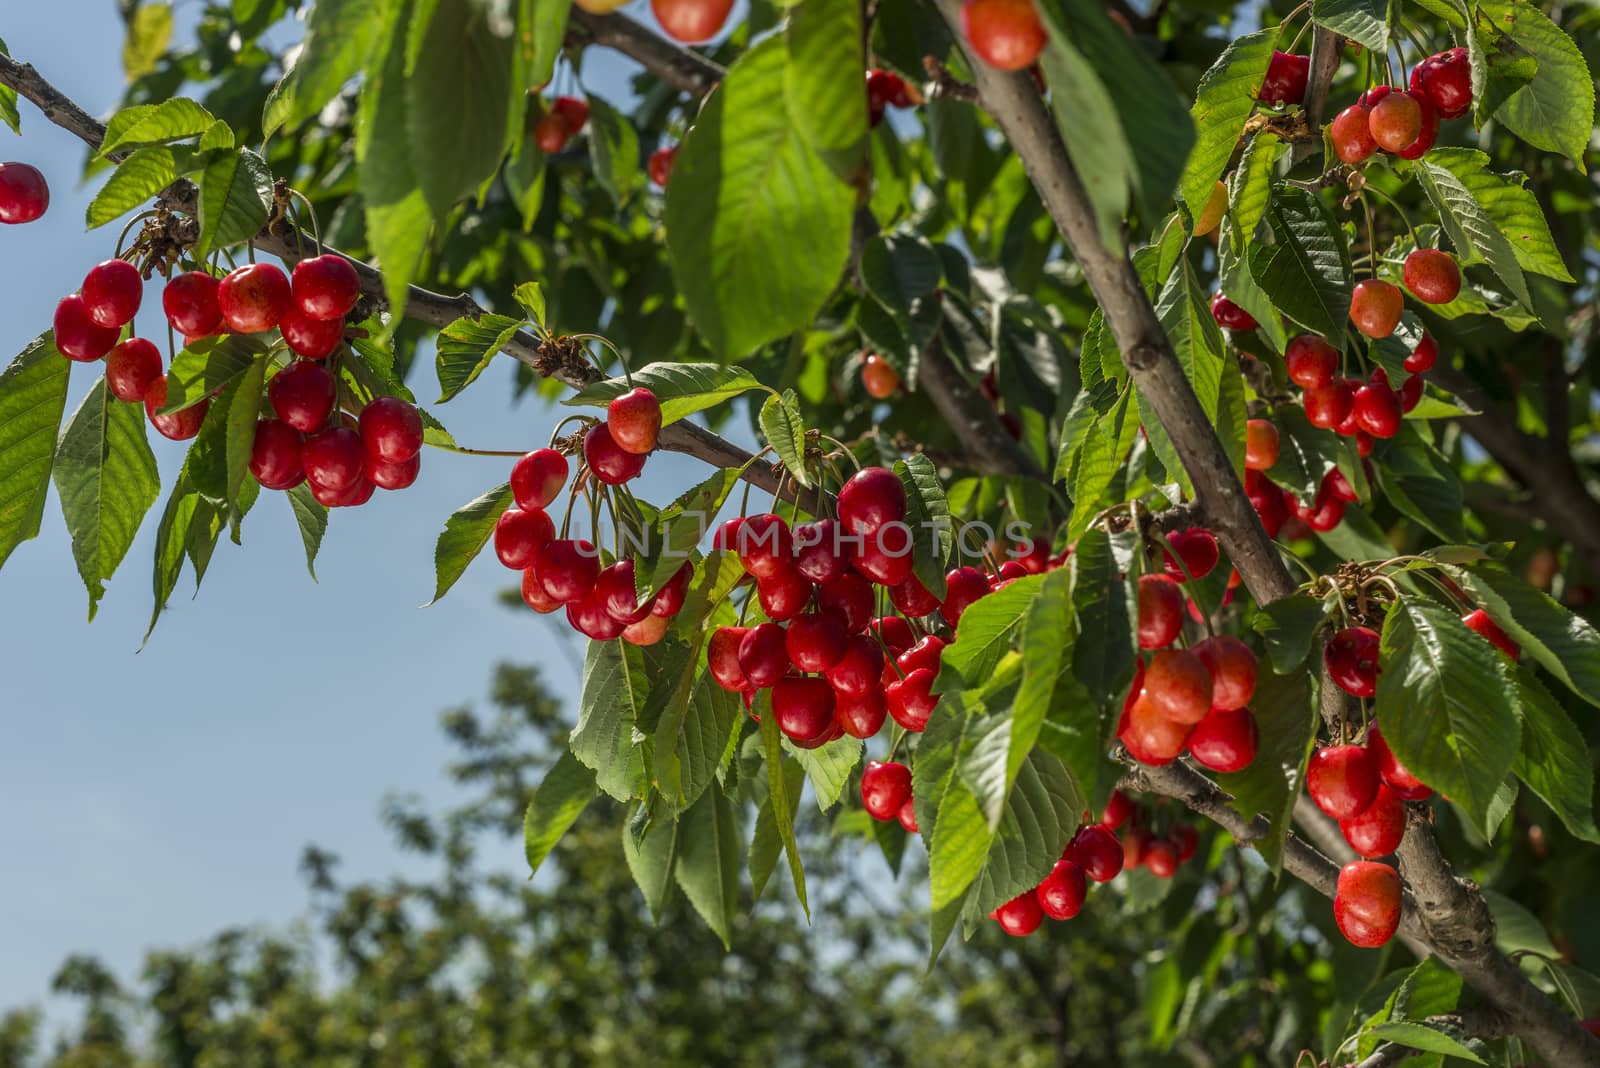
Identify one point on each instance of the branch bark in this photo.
(682, 68)
(969, 413)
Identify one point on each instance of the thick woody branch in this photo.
(971, 416)
(681, 68)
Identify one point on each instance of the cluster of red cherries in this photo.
(886, 89)
(567, 117)
(1278, 508)
(1405, 123)
(24, 194)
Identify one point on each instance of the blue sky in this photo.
(151, 798)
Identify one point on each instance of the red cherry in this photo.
(1366, 903)
(1178, 686)
(908, 816)
(325, 287)
(850, 595)
(177, 426)
(924, 654)
(635, 421)
(24, 194)
(1021, 916)
(1377, 831)
(1008, 573)
(391, 430)
(190, 303)
(1342, 780)
(1330, 405)
(1118, 809)
(315, 339)
(816, 551)
(911, 699)
(871, 498)
(1311, 361)
(1096, 850)
(568, 567)
(1396, 120)
(1232, 666)
(253, 298)
(575, 110)
(1160, 611)
(1428, 136)
(333, 459)
(550, 133)
(1338, 486)
(885, 556)
(660, 164)
(1034, 556)
(1226, 740)
(387, 475)
(590, 618)
(648, 631)
(1424, 356)
(860, 715)
(1161, 858)
(1185, 839)
(1411, 393)
(78, 337)
(1150, 736)
(1063, 890)
(878, 377)
(1134, 845)
(803, 708)
(354, 495)
(765, 544)
(691, 21)
(783, 594)
(303, 394)
(1006, 34)
(1375, 307)
(887, 87)
(130, 368)
(885, 787)
(519, 536)
(964, 586)
(275, 455)
(1432, 276)
(1393, 773)
(1286, 79)
(533, 594)
(1197, 548)
(1267, 499)
(1351, 134)
(894, 633)
(1376, 409)
(722, 657)
(764, 655)
(1478, 620)
(537, 478)
(1260, 445)
(616, 591)
(1230, 315)
(112, 292)
(607, 460)
(1351, 657)
(1446, 79)
(816, 641)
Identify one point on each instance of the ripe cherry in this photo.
(1478, 620)
(765, 545)
(1232, 666)
(190, 303)
(885, 556)
(616, 590)
(878, 377)
(859, 665)
(1178, 686)
(1330, 405)
(550, 133)
(575, 110)
(1338, 486)
(851, 596)
(78, 337)
(635, 421)
(691, 21)
(520, 535)
(764, 655)
(1376, 409)
(911, 699)
(1226, 740)
(908, 816)
(1185, 839)
(1134, 845)
(1260, 445)
(275, 455)
(1160, 611)
(1377, 831)
(1424, 356)
(1267, 499)
(568, 567)
(722, 657)
(1351, 657)
(1366, 903)
(1118, 809)
(860, 715)
(1351, 134)
(112, 292)
(1375, 307)
(913, 598)
(354, 495)
(872, 497)
(1432, 276)
(660, 164)
(894, 633)
(1150, 736)
(590, 618)
(1342, 780)
(1446, 79)
(669, 599)
(537, 478)
(1161, 858)
(391, 429)
(924, 654)
(1197, 548)
(783, 594)
(315, 339)
(648, 631)
(1311, 361)
(130, 368)
(391, 476)
(1393, 773)
(1230, 315)
(1096, 850)
(24, 194)
(334, 458)
(1063, 890)
(1395, 121)
(815, 641)
(533, 593)
(177, 426)
(816, 551)
(607, 460)
(302, 394)
(1411, 393)
(325, 287)
(253, 298)
(885, 787)
(1428, 136)
(964, 585)
(803, 708)
(1006, 34)
(1021, 916)
(1286, 79)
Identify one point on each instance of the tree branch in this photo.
(683, 69)
(971, 416)
(1481, 1021)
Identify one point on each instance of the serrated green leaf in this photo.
(1363, 21)
(312, 520)
(33, 397)
(779, 805)
(1101, 453)
(221, 451)
(613, 150)
(208, 366)
(768, 842)
(340, 38)
(149, 33)
(822, 80)
(1250, 186)
(1307, 274)
(141, 176)
(1470, 228)
(1427, 1038)
(541, 33)
(1554, 760)
(560, 799)
(467, 346)
(1185, 314)
(1222, 103)
(681, 388)
(465, 534)
(1285, 708)
(707, 866)
(1423, 484)
(1086, 115)
(1305, 453)
(185, 513)
(984, 635)
(613, 695)
(828, 767)
(898, 269)
(1047, 633)
(650, 854)
(1555, 111)
(1287, 627)
(1511, 206)
(1563, 643)
(155, 124)
(785, 430)
(235, 192)
(928, 516)
(677, 529)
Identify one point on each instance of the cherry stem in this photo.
(464, 451)
(627, 375)
(855, 463)
(1298, 36)
(316, 227)
(1415, 240)
(556, 433)
(566, 519)
(135, 221)
(895, 738)
(1372, 237)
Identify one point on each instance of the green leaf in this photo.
(340, 38)
(1224, 100)
(1363, 21)
(822, 79)
(531, 296)
(682, 388)
(566, 791)
(155, 124)
(1423, 484)
(1564, 644)
(221, 452)
(1287, 627)
(1046, 653)
(465, 534)
(681, 525)
(613, 150)
(208, 366)
(928, 516)
(235, 191)
(33, 396)
(651, 854)
(707, 866)
(186, 515)
(1448, 706)
(1041, 815)
(785, 430)
(141, 176)
(1307, 273)
(105, 475)
(8, 101)
(1555, 111)
(541, 31)
(898, 269)
(768, 842)
(1185, 314)
(1285, 708)
(312, 520)
(467, 346)
(1554, 760)
(613, 694)
(1427, 1038)
(1104, 449)
(984, 635)
(828, 768)
(1086, 115)
(149, 33)
(746, 192)
(1511, 206)
(1470, 227)
(779, 804)
(1250, 186)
